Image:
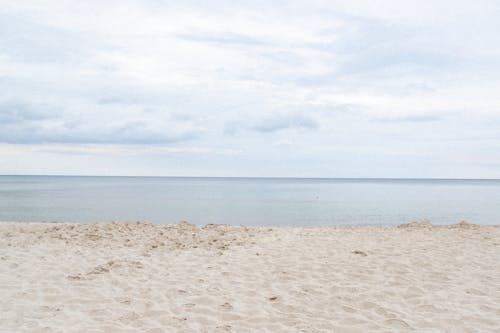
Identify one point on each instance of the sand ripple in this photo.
(141, 277)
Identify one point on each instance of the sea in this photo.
(249, 201)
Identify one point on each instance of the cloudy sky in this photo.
(255, 88)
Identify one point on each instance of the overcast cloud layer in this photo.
(229, 88)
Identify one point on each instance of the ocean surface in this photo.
(249, 201)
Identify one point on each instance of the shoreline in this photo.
(413, 224)
(145, 277)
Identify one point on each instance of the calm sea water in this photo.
(248, 201)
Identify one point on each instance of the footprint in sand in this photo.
(223, 328)
(227, 306)
(397, 323)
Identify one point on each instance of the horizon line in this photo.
(251, 177)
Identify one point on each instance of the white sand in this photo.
(139, 277)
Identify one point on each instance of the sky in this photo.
(250, 88)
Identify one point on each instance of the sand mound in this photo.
(186, 225)
(463, 225)
(416, 225)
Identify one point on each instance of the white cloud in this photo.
(336, 80)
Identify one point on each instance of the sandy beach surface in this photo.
(141, 277)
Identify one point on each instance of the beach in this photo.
(143, 277)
